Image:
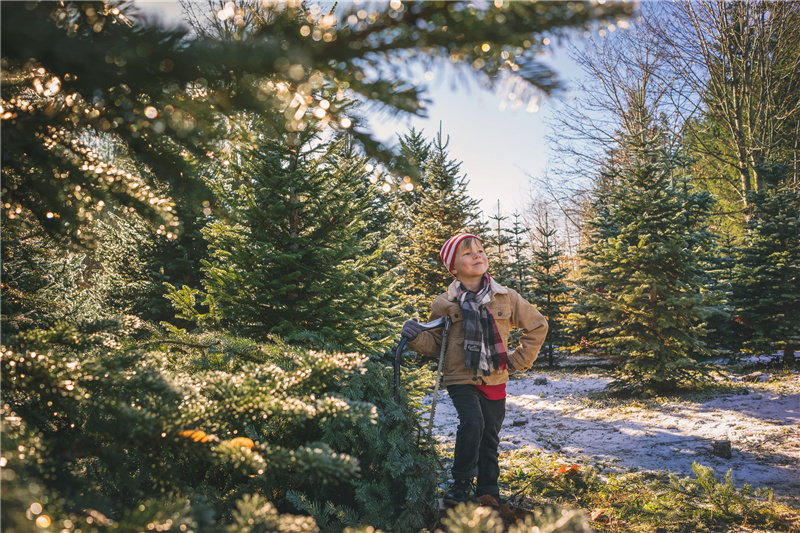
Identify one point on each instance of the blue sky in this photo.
(498, 148)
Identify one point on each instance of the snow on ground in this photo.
(763, 426)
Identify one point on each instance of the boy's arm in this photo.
(534, 331)
(427, 342)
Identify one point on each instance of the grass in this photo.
(642, 502)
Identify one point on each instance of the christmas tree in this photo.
(519, 259)
(442, 209)
(644, 282)
(765, 278)
(292, 258)
(497, 241)
(551, 290)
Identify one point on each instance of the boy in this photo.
(477, 362)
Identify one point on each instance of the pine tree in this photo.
(293, 259)
(497, 241)
(519, 256)
(131, 262)
(644, 281)
(414, 151)
(509, 259)
(43, 282)
(442, 210)
(723, 333)
(185, 431)
(95, 71)
(551, 291)
(766, 272)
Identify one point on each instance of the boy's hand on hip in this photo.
(411, 329)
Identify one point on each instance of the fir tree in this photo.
(497, 242)
(131, 263)
(185, 431)
(442, 210)
(521, 265)
(551, 291)
(414, 151)
(512, 267)
(96, 71)
(644, 281)
(723, 332)
(43, 282)
(766, 272)
(293, 259)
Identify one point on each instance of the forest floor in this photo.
(566, 412)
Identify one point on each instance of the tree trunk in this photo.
(788, 355)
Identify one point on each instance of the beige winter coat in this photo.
(509, 310)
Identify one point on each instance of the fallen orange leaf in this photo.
(196, 435)
(242, 442)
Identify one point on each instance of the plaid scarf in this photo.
(483, 346)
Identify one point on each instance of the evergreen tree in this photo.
(120, 267)
(95, 71)
(293, 259)
(442, 210)
(414, 151)
(551, 291)
(509, 259)
(520, 263)
(43, 283)
(190, 432)
(132, 261)
(723, 333)
(766, 272)
(497, 242)
(644, 281)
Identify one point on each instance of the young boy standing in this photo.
(477, 362)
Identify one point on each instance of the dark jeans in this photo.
(477, 437)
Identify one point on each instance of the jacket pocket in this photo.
(501, 312)
(502, 317)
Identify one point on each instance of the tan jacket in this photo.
(509, 310)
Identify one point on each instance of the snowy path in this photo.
(762, 426)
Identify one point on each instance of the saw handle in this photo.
(398, 354)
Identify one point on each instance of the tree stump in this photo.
(754, 377)
(721, 448)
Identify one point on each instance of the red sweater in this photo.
(493, 392)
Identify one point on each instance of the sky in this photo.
(498, 147)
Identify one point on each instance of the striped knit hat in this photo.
(448, 251)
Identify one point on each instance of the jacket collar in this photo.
(452, 290)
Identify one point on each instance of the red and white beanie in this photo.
(448, 251)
